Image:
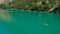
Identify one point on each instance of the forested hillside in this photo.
(34, 5)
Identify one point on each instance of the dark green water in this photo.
(26, 22)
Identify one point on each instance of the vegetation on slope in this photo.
(34, 5)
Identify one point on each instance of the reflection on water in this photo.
(4, 15)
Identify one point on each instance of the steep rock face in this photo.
(2, 1)
(5, 1)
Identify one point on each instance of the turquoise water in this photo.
(26, 22)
